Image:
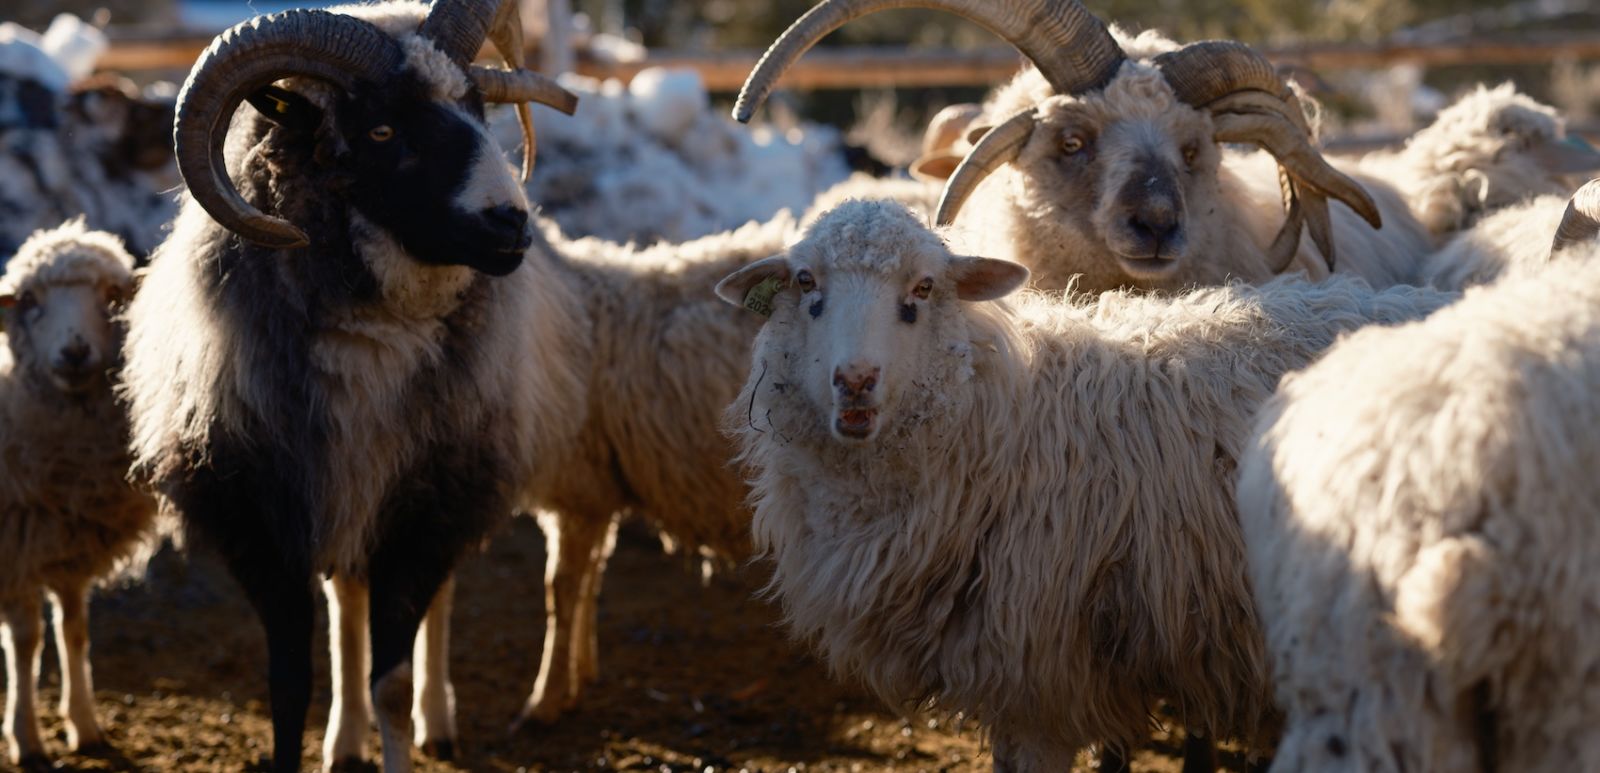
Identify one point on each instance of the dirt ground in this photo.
(693, 679)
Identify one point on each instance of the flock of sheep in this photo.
(1129, 417)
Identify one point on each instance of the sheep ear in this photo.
(1569, 156)
(985, 279)
(936, 167)
(753, 286)
(285, 108)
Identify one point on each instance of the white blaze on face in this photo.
(491, 182)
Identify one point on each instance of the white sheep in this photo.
(1423, 519)
(1020, 511)
(1106, 160)
(1492, 148)
(68, 516)
(657, 355)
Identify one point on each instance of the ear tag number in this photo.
(759, 298)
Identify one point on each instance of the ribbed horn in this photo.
(458, 27)
(506, 33)
(1201, 73)
(997, 148)
(1072, 49)
(334, 48)
(505, 86)
(1581, 223)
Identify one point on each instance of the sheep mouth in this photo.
(74, 380)
(856, 423)
(1148, 267)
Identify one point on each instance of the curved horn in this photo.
(1201, 73)
(1072, 49)
(506, 32)
(338, 49)
(997, 148)
(522, 86)
(458, 27)
(1581, 223)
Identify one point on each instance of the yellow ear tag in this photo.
(759, 298)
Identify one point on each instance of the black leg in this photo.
(1199, 755)
(1112, 760)
(284, 601)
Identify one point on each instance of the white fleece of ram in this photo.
(1423, 514)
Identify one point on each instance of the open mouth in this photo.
(856, 423)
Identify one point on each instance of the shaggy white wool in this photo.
(1042, 535)
(1510, 240)
(67, 255)
(1482, 153)
(1422, 522)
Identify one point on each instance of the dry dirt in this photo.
(693, 679)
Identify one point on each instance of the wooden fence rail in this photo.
(860, 67)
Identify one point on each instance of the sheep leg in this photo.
(24, 639)
(407, 571)
(433, 711)
(573, 545)
(1199, 754)
(284, 601)
(586, 633)
(72, 646)
(350, 718)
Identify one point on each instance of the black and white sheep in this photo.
(1423, 521)
(1022, 511)
(344, 386)
(658, 356)
(1106, 160)
(68, 516)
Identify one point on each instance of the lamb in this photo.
(1493, 148)
(1022, 512)
(1106, 160)
(341, 387)
(1420, 508)
(659, 355)
(68, 517)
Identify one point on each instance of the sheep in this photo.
(1105, 160)
(68, 516)
(1492, 148)
(650, 161)
(343, 386)
(95, 147)
(660, 356)
(1506, 241)
(1420, 509)
(1021, 512)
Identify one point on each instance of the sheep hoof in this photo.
(544, 712)
(352, 765)
(441, 749)
(98, 747)
(35, 763)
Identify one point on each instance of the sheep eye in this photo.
(26, 302)
(805, 280)
(1189, 153)
(1072, 144)
(923, 288)
(113, 295)
(381, 133)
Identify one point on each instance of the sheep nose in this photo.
(1157, 223)
(75, 354)
(509, 221)
(855, 379)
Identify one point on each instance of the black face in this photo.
(428, 174)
